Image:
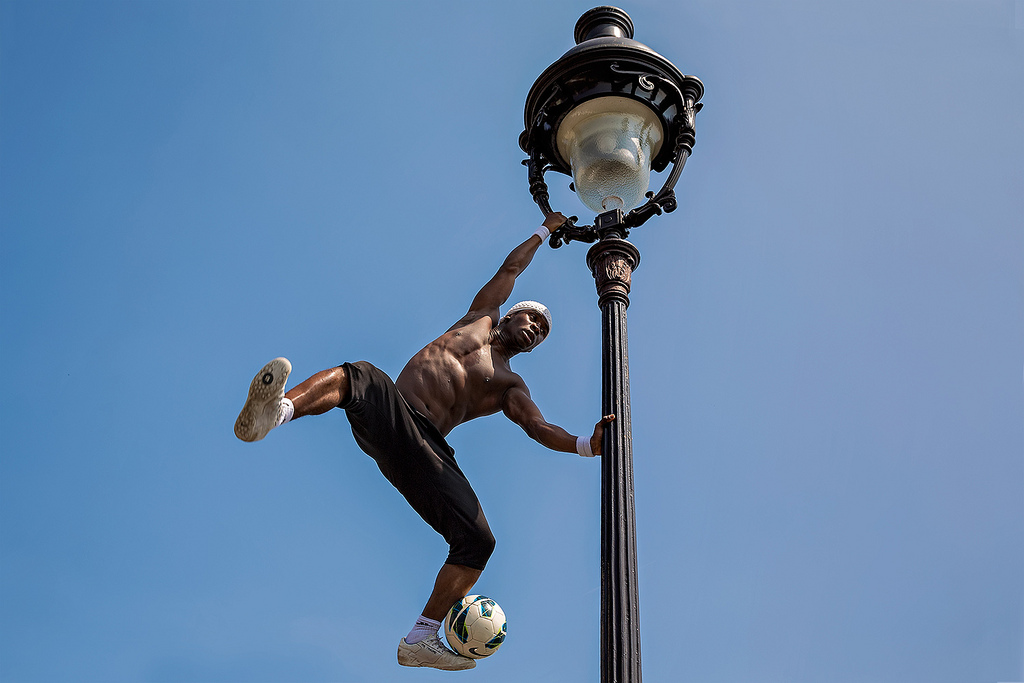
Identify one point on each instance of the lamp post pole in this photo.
(607, 99)
(612, 261)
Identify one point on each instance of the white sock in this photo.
(423, 628)
(286, 412)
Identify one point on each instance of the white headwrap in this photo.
(532, 306)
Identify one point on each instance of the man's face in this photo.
(526, 328)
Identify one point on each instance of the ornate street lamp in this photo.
(608, 112)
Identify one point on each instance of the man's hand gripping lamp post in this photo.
(608, 112)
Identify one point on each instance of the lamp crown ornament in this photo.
(603, 21)
(607, 113)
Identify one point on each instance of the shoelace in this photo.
(435, 644)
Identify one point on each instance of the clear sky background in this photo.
(826, 340)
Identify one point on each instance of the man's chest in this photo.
(482, 369)
(484, 380)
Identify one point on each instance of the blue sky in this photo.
(825, 340)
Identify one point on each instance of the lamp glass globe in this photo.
(609, 142)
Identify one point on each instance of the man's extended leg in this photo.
(320, 393)
(268, 406)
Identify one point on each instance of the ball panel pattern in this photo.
(475, 626)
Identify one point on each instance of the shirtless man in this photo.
(461, 375)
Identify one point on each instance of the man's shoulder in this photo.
(510, 379)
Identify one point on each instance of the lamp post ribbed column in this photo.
(612, 261)
(578, 116)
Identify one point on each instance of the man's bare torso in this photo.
(459, 376)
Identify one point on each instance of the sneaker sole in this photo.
(265, 392)
(408, 657)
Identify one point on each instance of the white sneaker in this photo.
(431, 652)
(262, 408)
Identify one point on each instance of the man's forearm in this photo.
(499, 288)
(557, 439)
(553, 437)
(520, 257)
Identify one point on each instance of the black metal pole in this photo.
(612, 261)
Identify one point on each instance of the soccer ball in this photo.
(475, 626)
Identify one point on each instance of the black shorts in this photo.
(413, 455)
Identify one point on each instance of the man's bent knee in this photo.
(473, 550)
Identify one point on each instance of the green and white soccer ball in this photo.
(475, 626)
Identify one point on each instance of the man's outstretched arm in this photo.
(499, 288)
(520, 408)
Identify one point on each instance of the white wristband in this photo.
(542, 233)
(583, 447)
